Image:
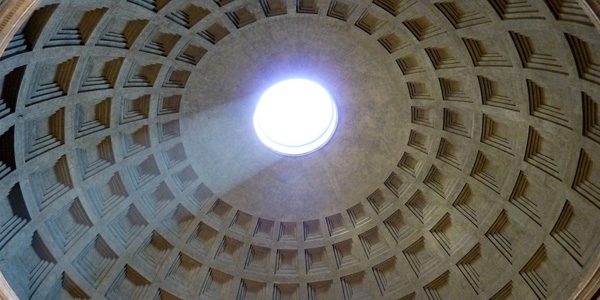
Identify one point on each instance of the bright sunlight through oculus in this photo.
(295, 117)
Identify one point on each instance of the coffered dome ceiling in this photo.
(466, 163)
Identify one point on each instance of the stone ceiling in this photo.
(466, 164)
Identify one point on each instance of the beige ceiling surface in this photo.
(220, 139)
(465, 165)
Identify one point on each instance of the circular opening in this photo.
(295, 117)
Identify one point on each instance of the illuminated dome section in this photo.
(295, 117)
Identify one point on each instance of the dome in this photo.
(465, 163)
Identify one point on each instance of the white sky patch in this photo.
(295, 117)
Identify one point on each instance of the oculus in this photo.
(295, 117)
